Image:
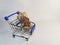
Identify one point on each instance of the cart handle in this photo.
(7, 17)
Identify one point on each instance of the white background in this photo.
(46, 15)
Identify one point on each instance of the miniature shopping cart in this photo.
(18, 30)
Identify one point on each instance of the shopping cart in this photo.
(18, 30)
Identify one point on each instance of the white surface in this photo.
(46, 15)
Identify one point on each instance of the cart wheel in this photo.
(26, 39)
(13, 36)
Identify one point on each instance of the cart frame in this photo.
(17, 24)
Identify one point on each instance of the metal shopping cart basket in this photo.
(18, 30)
